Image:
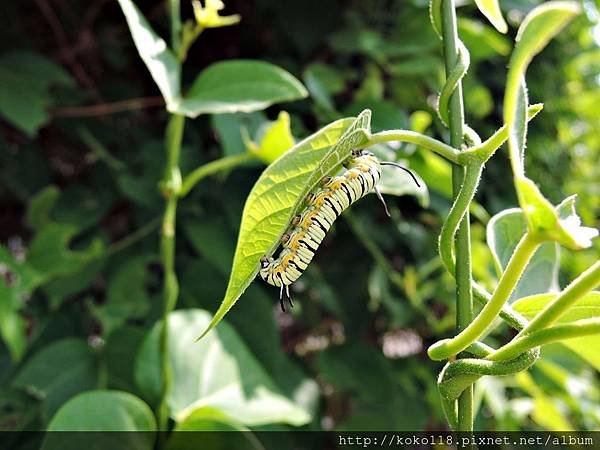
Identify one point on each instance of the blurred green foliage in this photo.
(80, 285)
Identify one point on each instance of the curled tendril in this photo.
(453, 78)
(456, 376)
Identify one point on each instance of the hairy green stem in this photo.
(413, 137)
(218, 165)
(464, 298)
(481, 324)
(526, 342)
(171, 185)
(459, 208)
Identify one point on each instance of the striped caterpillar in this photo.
(308, 229)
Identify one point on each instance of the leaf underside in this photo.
(279, 194)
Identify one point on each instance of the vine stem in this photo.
(413, 137)
(225, 163)
(170, 186)
(538, 328)
(580, 286)
(464, 298)
(518, 261)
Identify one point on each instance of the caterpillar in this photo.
(308, 229)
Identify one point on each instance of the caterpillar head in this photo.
(264, 262)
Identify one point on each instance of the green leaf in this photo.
(58, 372)
(50, 254)
(229, 128)
(159, 59)
(126, 296)
(239, 86)
(545, 411)
(40, 207)
(540, 25)
(560, 224)
(586, 308)
(212, 419)
(219, 372)
(119, 354)
(482, 41)
(104, 410)
(491, 10)
(279, 194)
(323, 81)
(25, 81)
(504, 231)
(273, 140)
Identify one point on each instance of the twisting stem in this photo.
(464, 299)
(518, 261)
(171, 185)
(560, 332)
(580, 286)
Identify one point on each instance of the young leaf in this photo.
(280, 192)
(560, 224)
(159, 59)
(239, 86)
(540, 25)
(274, 139)
(504, 231)
(586, 308)
(221, 373)
(491, 10)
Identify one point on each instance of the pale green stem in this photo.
(481, 324)
(225, 163)
(170, 186)
(413, 137)
(526, 342)
(464, 297)
(175, 17)
(580, 286)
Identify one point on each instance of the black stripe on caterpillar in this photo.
(308, 229)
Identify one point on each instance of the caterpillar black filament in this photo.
(308, 229)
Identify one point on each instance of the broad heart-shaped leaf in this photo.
(102, 411)
(540, 25)
(491, 10)
(59, 371)
(280, 192)
(159, 59)
(504, 231)
(239, 86)
(219, 371)
(585, 308)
